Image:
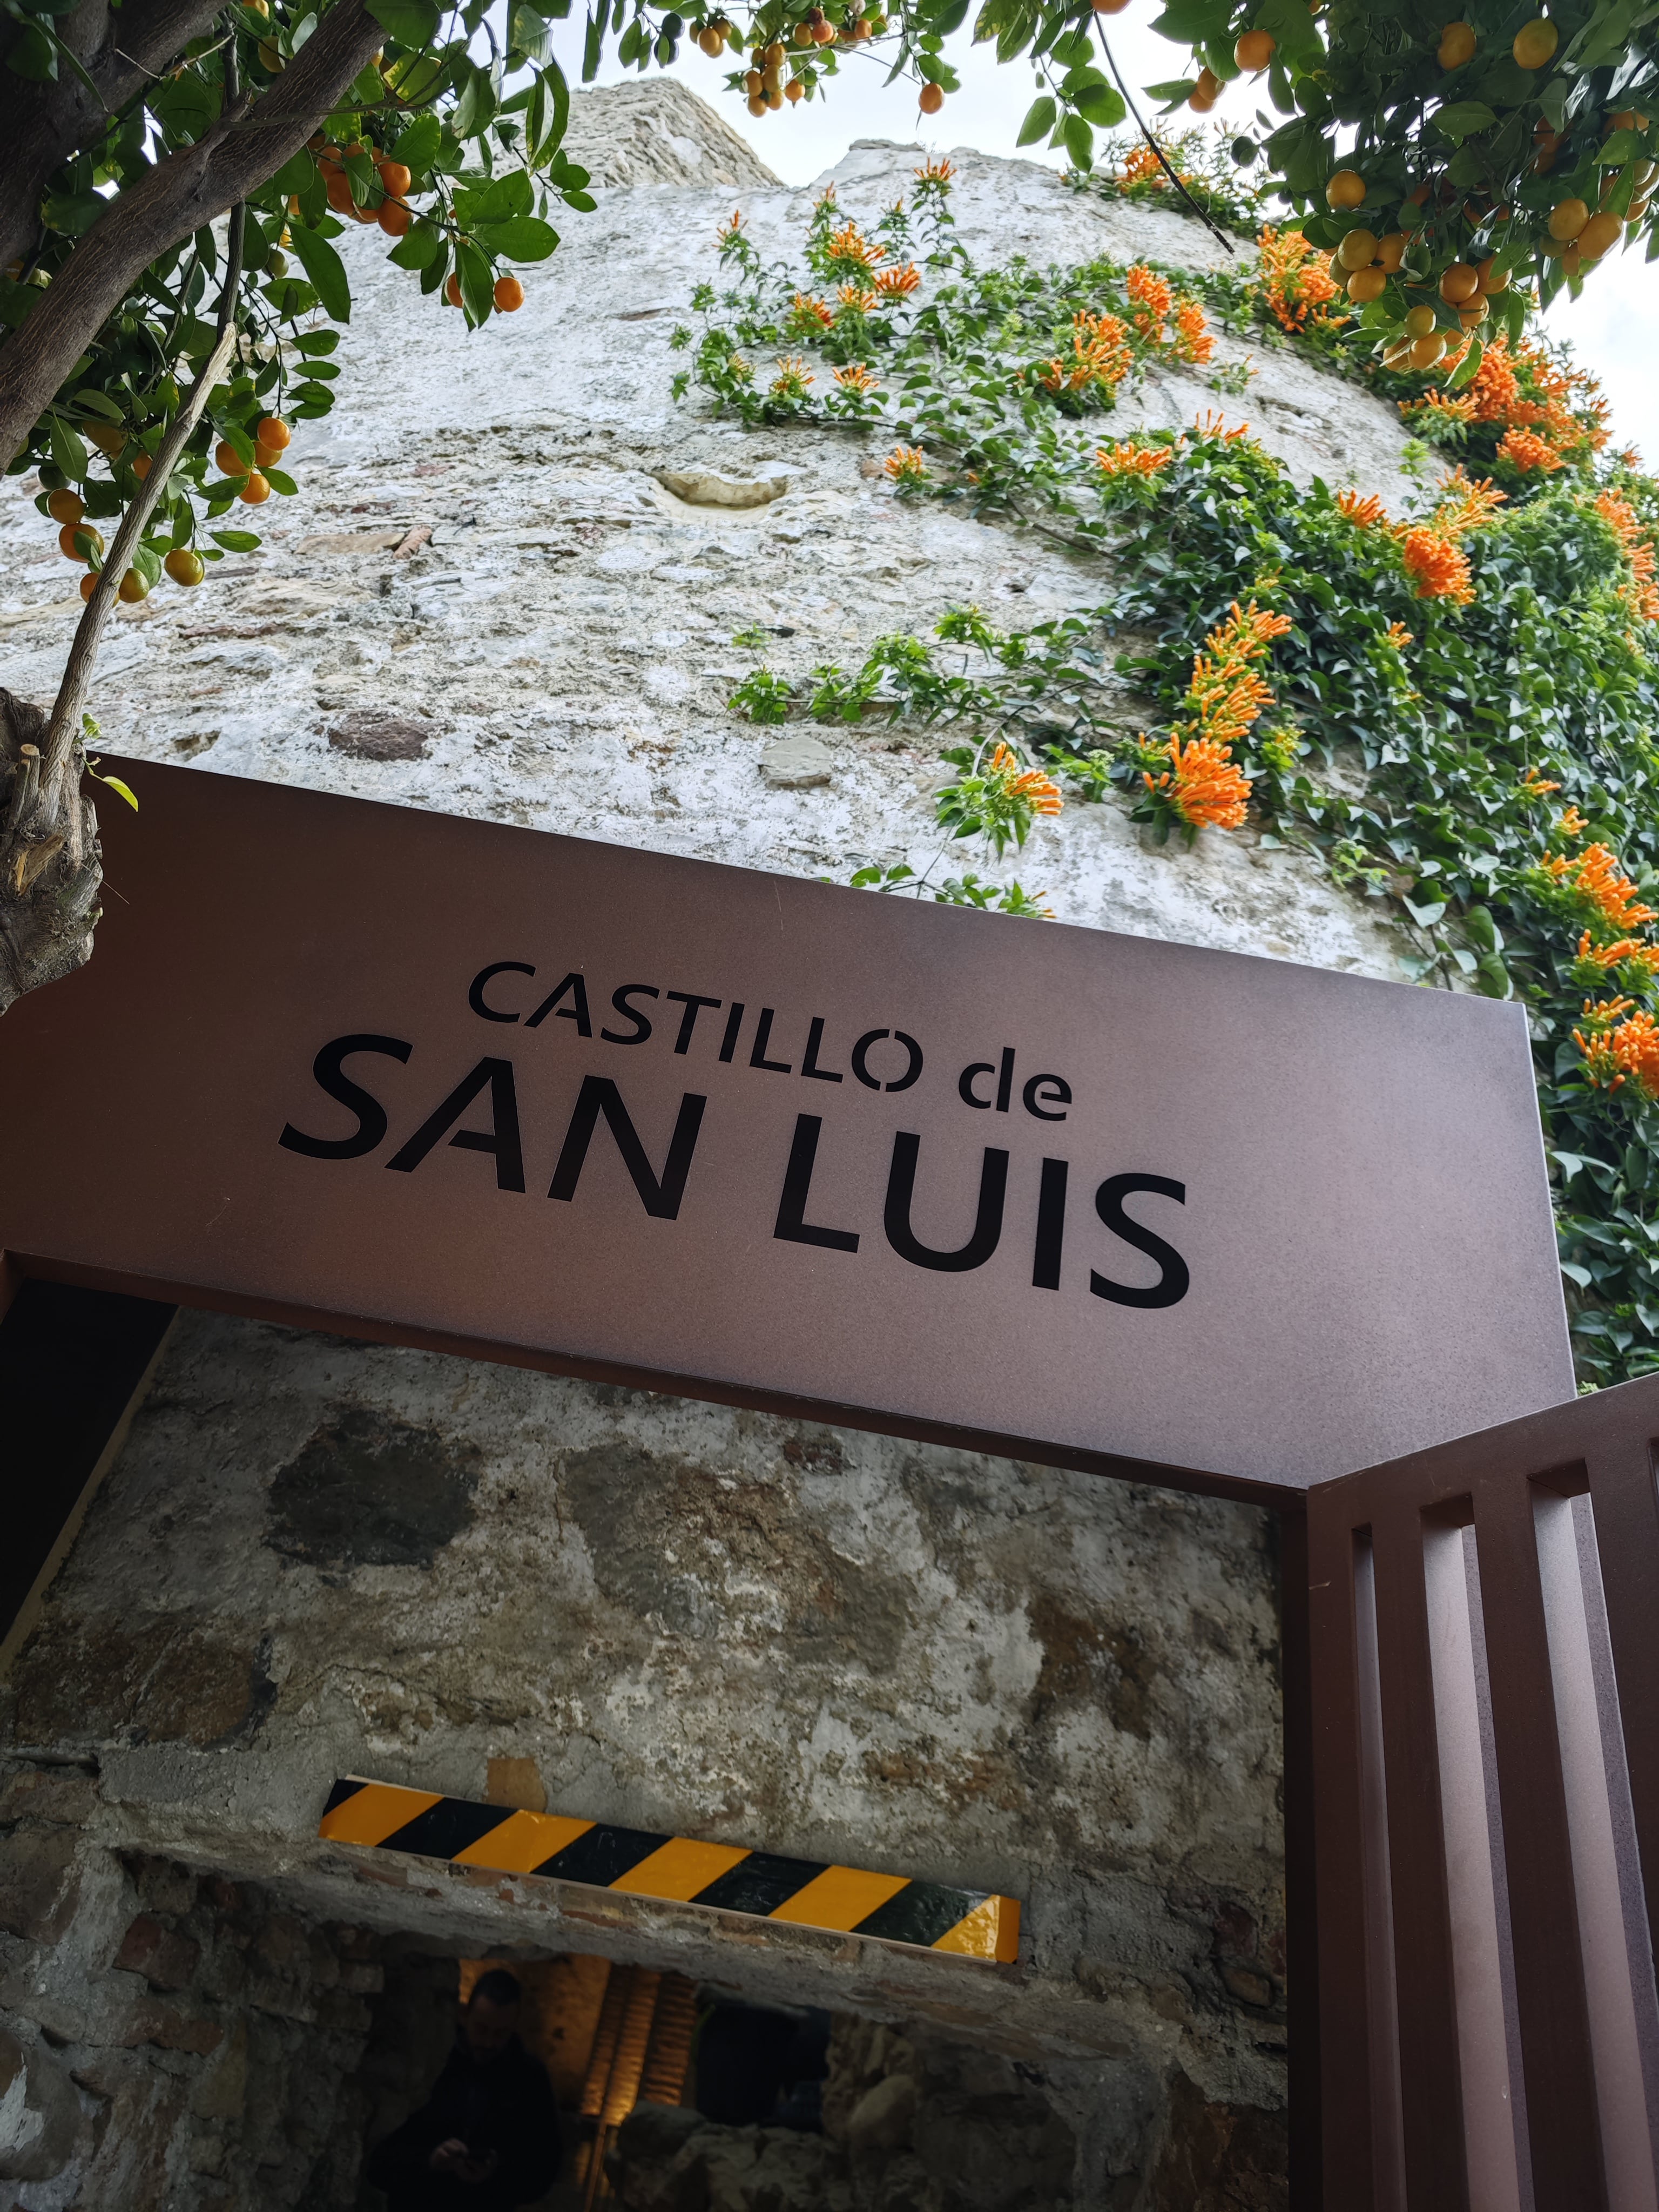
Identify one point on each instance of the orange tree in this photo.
(154, 357)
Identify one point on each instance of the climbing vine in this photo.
(1451, 708)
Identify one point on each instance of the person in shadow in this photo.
(487, 2138)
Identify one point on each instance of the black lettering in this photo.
(1059, 1093)
(576, 1012)
(860, 1063)
(1050, 1226)
(734, 1023)
(660, 1198)
(693, 1006)
(762, 1038)
(1172, 1287)
(965, 1084)
(810, 1065)
(371, 1115)
(987, 1223)
(793, 1227)
(641, 1026)
(474, 997)
(1006, 1079)
(502, 1138)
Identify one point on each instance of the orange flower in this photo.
(1191, 342)
(1296, 279)
(808, 310)
(1366, 513)
(906, 465)
(1142, 166)
(1127, 459)
(1614, 955)
(1451, 406)
(1439, 566)
(1532, 785)
(855, 377)
(1154, 299)
(849, 244)
(1209, 424)
(1466, 503)
(856, 297)
(1593, 874)
(1203, 784)
(794, 377)
(935, 173)
(1620, 1050)
(1572, 824)
(1399, 636)
(895, 284)
(1641, 594)
(1039, 792)
(1525, 449)
(1100, 355)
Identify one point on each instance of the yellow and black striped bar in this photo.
(972, 1923)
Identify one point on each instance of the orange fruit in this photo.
(508, 294)
(1199, 102)
(823, 35)
(256, 490)
(1458, 283)
(1110, 7)
(773, 96)
(64, 507)
(1476, 312)
(1391, 250)
(757, 103)
(1493, 279)
(1573, 261)
(88, 583)
(272, 432)
(1346, 189)
(753, 82)
(1567, 219)
(794, 90)
(1419, 322)
(1598, 234)
(710, 40)
(1367, 284)
(108, 440)
(227, 460)
(185, 567)
(931, 101)
(338, 189)
(141, 465)
(1458, 45)
(1255, 49)
(132, 587)
(395, 179)
(86, 533)
(1535, 42)
(1427, 351)
(453, 290)
(394, 218)
(1358, 250)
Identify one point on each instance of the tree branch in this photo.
(242, 151)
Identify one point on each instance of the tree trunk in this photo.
(49, 897)
(241, 152)
(42, 124)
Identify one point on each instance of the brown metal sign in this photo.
(1106, 1202)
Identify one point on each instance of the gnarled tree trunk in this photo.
(51, 862)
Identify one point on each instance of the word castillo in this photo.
(881, 1059)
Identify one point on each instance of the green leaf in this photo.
(1463, 119)
(316, 342)
(33, 53)
(417, 148)
(413, 23)
(1622, 146)
(73, 213)
(114, 782)
(478, 281)
(1553, 101)
(511, 195)
(323, 266)
(472, 112)
(527, 34)
(1193, 22)
(235, 541)
(1172, 91)
(279, 480)
(1079, 143)
(1102, 104)
(524, 238)
(67, 450)
(418, 247)
(592, 47)
(93, 402)
(1039, 122)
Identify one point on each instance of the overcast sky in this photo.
(1614, 327)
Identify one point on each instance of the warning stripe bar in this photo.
(972, 1923)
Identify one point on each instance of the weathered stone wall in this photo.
(316, 1557)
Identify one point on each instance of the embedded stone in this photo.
(796, 763)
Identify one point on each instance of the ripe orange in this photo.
(753, 82)
(1598, 234)
(88, 583)
(1200, 102)
(86, 533)
(1458, 283)
(453, 290)
(227, 460)
(1358, 250)
(1458, 45)
(185, 567)
(773, 96)
(710, 40)
(1346, 189)
(1367, 284)
(1419, 322)
(1535, 42)
(1573, 261)
(1493, 279)
(141, 465)
(1568, 218)
(394, 218)
(794, 90)
(132, 587)
(1255, 49)
(757, 103)
(272, 433)
(1427, 351)
(1391, 250)
(256, 490)
(395, 179)
(823, 35)
(1476, 311)
(774, 56)
(338, 189)
(508, 294)
(1110, 7)
(932, 100)
(64, 507)
(108, 440)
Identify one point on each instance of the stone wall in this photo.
(316, 1557)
